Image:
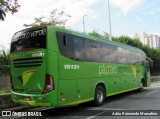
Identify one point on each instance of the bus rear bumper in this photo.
(31, 99)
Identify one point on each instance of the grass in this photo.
(4, 91)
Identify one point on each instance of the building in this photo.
(151, 40)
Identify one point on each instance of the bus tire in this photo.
(99, 96)
(141, 89)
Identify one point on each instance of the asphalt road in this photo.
(146, 102)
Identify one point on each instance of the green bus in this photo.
(53, 66)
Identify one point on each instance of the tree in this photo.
(122, 39)
(4, 61)
(8, 6)
(95, 34)
(106, 35)
(55, 18)
(129, 41)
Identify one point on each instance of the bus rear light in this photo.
(46, 26)
(49, 84)
(11, 82)
(43, 98)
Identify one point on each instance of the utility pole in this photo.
(109, 21)
(84, 23)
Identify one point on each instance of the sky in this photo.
(127, 16)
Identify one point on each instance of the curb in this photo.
(6, 101)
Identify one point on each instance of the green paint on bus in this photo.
(53, 66)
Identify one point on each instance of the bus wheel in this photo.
(141, 86)
(99, 96)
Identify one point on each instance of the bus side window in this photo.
(79, 48)
(66, 44)
(64, 40)
(139, 58)
(110, 53)
(91, 51)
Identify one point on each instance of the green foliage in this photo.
(154, 54)
(55, 19)
(4, 92)
(96, 34)
(129, 41)
(8, 6)
(4, 62)
(106, 35)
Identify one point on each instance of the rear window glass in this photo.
(29, 39)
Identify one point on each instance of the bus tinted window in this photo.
(121, 54)
(110, 53)
(84, 49)
(66, 44)
(91, 50)
(79, 48)
(29, 39)
(131, 57)
(139, 59)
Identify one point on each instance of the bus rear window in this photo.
(29, 39)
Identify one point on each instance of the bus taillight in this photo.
(49, 84)
(11, 82)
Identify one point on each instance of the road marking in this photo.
(108, 109)
(152, 92)
(96, 115)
